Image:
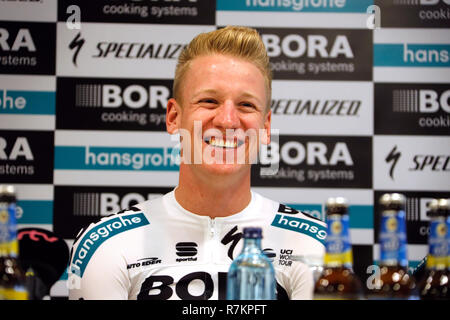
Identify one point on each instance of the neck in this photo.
(212, 196)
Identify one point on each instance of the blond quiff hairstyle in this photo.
(239, 42)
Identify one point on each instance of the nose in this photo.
(227, 116)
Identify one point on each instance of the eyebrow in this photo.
(243, 95)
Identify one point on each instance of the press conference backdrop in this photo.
(360, 98)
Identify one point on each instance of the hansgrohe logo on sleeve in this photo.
(99, 234)
(314, 230)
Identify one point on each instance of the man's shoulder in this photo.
(294, 222)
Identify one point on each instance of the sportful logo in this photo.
(186, 249)
(99, 234)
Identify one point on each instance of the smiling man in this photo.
(181, 245)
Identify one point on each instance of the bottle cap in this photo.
(438, 207)
(393, 201)
(252, 232)
(338, 205)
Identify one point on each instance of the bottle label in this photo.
(393, 241)
(448, 242)
(16, 293)
(437, 242)
(338, 246)
(8, 229)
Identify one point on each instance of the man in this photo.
(180, 246)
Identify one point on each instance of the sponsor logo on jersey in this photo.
(285, 257)
(187, 251)
(103, 231)
(144, 262)
(354, 6)
(307, 227)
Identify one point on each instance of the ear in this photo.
(173, 113)
(267, 126)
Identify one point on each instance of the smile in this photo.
(221, 143)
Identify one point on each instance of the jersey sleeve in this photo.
(104, 278)
(98, 265)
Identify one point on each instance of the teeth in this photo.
(222, 143)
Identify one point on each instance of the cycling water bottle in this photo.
(251, 275)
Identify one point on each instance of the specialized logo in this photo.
(186, 250)
(96, 236)
(392, 158)
(315, 107)
(76, 44)
(234, 237)
(307, 227)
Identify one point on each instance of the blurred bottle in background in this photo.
(394, 281)
(251, 275)
(435, 283)
(337, 280)
(12, 277)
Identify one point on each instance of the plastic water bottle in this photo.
(251, 275)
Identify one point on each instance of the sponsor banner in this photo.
(404, 56)
(304, 107)
(26, 156)
(27, 48)
(335, 6)
(142, 11)
(315, 162)
(319, 54)
(305, 14)
(34, 204)
(115, 158)
(26, 102)
(28, 10)
(414, 13)
(135, 51)
(112, 104)
(411, 163)
(292, 19)
(417, 220)
(77, 206)
(413, 109)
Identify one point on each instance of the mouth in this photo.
(223, 143)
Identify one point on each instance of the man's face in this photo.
(222, 117)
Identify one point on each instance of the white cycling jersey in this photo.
(159, 250)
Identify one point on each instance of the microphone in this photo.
(44, 258)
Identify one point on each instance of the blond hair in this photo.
(239, 42)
